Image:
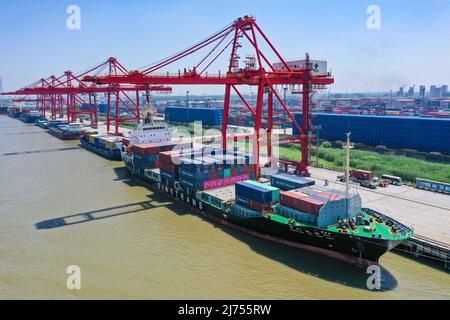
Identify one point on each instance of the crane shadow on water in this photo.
(105, 213)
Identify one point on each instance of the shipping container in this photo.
(169, 167)
(275, 191)
(168, 175)
(319, 67)
(254, 192)
(433, 185)
(329, 196)
(301, 203)
(287, 182)
(295, 214)
(244, 212)
(252, 204)
(361, 174)
(153, 174)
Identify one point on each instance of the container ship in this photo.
(69, 131)
(31, 116)
(283, 208)
(107, 146)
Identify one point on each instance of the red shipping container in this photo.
(332, 197)
(249, 169)
(126, 141)
(145, 149)
(257, 206)
(233, 172)
(361, 174)
(168, 166)
(301, 203)
(171, 157)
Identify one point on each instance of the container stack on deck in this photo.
(318, 206)
(107, 146)
(286, 182)
(32, 116)
(256, 196)
(66, 131)
(201, 170)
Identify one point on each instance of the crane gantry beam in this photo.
(258, 72)
(68, 90)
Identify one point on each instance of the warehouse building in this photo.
(422, 134)
(208, 116)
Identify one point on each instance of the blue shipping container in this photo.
(253, 192)
(287, 182)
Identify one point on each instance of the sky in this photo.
(411, 47)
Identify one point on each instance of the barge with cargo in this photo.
(107, 146)
(32, 116)
(70, 131)
(221, 185)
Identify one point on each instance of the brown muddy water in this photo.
(61, 205)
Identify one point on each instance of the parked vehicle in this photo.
(396, 181)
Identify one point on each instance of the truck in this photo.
(362, 177)
(361, 174)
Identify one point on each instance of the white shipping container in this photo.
(319, 66)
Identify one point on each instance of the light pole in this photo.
(318, 128)
(285, 114)
(187, 99)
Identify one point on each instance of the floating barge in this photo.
(71, 131)
(107, 146)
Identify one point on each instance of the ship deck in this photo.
(380, 228)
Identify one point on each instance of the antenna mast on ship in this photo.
(149, 110)
(347, 168)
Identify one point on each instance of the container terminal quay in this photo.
(109, 174)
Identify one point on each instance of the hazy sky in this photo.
(412, 46)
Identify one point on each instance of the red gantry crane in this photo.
(258, 72)
(76, 97)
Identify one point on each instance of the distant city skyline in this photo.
(411, 46)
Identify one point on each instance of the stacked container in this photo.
(287, 182)
(310, 205)
(146, 156)
(169, 165)
(256, 196)
(202, 170)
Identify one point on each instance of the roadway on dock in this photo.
(428, 212)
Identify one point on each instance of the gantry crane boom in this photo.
(260, 73)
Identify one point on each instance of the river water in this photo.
(61, 205)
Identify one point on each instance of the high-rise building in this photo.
(411, 92)
(400, 92)
(435, 91)
(422, 91)
(444, 90)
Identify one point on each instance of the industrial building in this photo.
(422, 134)
(208, 116)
